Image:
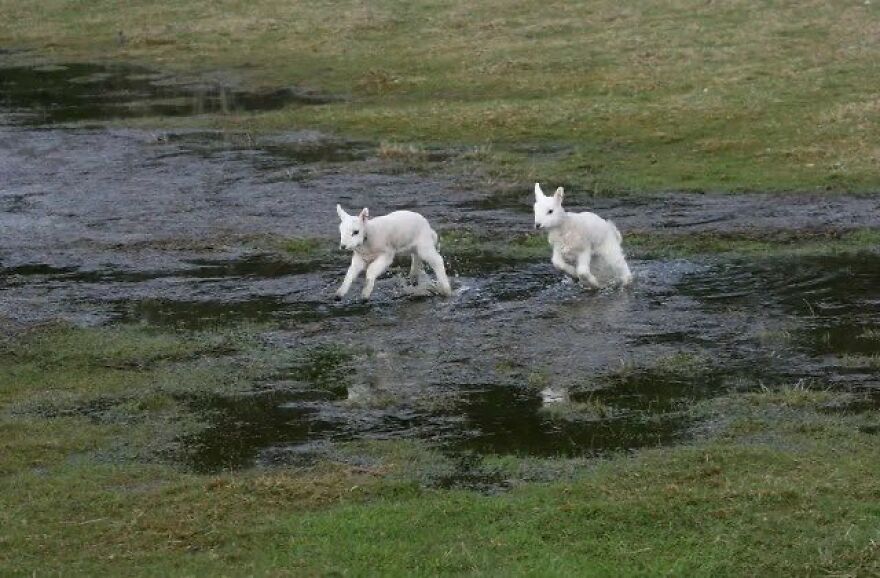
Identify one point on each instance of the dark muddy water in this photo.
(528, 364)
(83, 92)
(106, 226)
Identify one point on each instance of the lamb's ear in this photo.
(365, 214)
(558, 195)
(539, 194)
(341, 212)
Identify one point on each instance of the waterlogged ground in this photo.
(196, 231)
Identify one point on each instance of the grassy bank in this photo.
(783, 485)
(682, 94)
(470, 252)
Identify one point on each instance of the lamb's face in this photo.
(548, 210)
(352, 230)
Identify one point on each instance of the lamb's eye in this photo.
(550, 212)
(355, 232)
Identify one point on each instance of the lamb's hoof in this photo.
(589, 286)
(337, 297)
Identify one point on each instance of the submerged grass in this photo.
(125, 391)
(676, 95)
(590, 408)
(870, 334)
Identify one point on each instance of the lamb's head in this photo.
(548, 210)
(352, 230)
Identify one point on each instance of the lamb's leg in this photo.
(613, 255)
(430, 255)
(376, 268)
(559, 262)
(357, 265)
(583, 269)
(416, 269)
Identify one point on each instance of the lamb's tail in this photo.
(615, 230)
(436, 237)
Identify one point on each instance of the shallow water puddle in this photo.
(78, 92)
(832, 303)
(298, 428)
(254, 266)
(283, 153)
(471, 373)
(683, 340)
(506, 420)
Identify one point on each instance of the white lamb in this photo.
(375, 242)
(578, 237)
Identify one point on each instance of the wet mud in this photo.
(103, 225)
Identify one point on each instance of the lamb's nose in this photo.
(537, 226)
(341, 247)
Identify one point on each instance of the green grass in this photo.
(799, 394)
(870, 334)
(782, 487)
(302, 246)
(64, 361)
(675, 367)
(601, 96)
(304, 251)
(470, 250)
(871, 361)
(126, 389)
(763, 244)
(716, 511)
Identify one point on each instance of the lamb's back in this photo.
(402, 229)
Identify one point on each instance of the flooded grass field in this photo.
(195, 234)
(172, 290)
